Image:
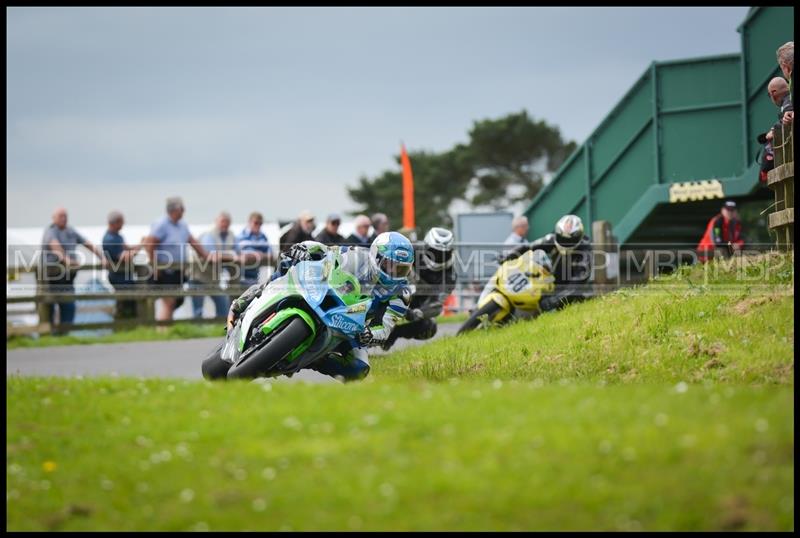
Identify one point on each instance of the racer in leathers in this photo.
(435, 279)
(570, 250)
(388, 263)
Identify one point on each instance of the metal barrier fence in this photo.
(142, 293)
(612, 268)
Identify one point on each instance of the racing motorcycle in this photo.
(517, 284)
(300, 317)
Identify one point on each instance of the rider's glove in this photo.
(365, 338)
(298, 252)
(414, 314)
(429, 330)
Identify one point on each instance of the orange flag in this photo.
(408, 189)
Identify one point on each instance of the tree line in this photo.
(504, 162)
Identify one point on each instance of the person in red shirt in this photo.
(724, 231)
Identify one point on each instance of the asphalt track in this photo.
(168, 359)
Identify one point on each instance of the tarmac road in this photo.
(169, 358)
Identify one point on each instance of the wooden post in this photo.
(605, 257)
(42, 308)
(781, 181)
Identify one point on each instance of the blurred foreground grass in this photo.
(126, 454)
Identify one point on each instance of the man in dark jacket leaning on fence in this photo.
(120, 258)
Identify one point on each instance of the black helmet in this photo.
(568, 232)
(437, 251)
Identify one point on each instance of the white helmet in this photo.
(437, 253)
(568, 232)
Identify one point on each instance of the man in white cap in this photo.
(360, 237)
(299, 232)
(519, 231)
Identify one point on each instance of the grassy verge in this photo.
(140, 334)
(705, 323)
(380, 455)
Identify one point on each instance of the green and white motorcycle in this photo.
(313, 310)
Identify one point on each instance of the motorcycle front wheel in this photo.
(214, 367)
(491, 308)
(261, 361)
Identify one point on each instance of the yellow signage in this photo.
(692, 191)
(360, 307)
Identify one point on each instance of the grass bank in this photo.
(721, 322)
(126, 454)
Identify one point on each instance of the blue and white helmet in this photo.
(392, 256)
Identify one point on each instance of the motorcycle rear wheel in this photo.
(490, 308)
(261, 361)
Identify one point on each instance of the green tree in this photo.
(503, 163)
(512, 154)
(439, 178)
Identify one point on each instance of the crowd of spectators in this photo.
(723, 233)
(216, 257)
(780, 93)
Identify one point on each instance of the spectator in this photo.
(785, 56)
(166, 247)
(380, 224)
(60, 263)
(778, 90)
(299, 232)
(723, 233)
(329, 235)
(254, 247)
(120, 260)
(519, 231)
(360, 237)
(208, 276)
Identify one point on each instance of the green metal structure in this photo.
(680, 139)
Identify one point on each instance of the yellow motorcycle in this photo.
(517, 284)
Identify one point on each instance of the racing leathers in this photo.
(389, 305)
(572, 270)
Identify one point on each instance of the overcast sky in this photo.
(278, 109)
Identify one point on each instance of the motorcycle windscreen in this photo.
(345, 285)
(356, 262)
(541, 258)
(310, 275)
(230, 350)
